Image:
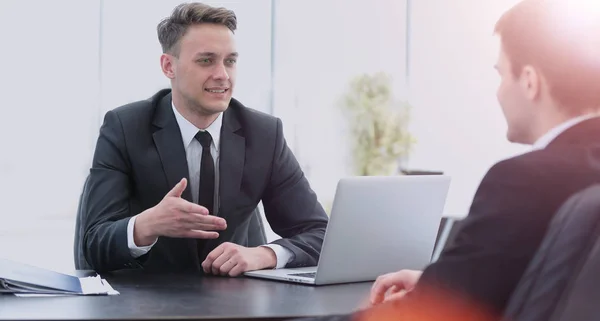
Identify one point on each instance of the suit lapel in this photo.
(170, 146)
(231, 159)
(171, 151)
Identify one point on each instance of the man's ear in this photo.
(531, 82)
(167, 65)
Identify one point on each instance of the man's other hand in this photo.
(233, 259)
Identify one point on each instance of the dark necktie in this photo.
(206, 192)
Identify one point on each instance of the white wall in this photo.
(319, 47)
(49, 92)
(49, 96)
(457, 120)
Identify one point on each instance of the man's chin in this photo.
(511, 138)
(217, 108)
(516, 139)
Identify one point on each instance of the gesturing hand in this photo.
(176, 217)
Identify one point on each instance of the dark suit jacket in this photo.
(140, 156)
(510, 214)
(478, 271)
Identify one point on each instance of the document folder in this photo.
(17, 278)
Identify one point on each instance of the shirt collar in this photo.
(189, 130)
(547, 138)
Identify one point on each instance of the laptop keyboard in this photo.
(311, 275)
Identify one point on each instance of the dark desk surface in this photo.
(154, 296)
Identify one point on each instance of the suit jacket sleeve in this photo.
(497, 239)
(291, 207)
(107, 212)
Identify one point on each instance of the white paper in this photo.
(37, 295)
(96, 285)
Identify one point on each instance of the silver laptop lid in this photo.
(381, 224)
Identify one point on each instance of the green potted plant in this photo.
(378, 125)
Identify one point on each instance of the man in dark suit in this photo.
(175, 178)
(550, 97)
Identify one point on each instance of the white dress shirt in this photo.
(547, 138)
(193, 151)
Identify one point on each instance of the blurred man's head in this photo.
(549, 65)
(199, 56)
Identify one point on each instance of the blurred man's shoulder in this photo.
(548, 164)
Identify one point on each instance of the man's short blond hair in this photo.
(173, 28)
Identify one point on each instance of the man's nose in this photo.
(220, 72)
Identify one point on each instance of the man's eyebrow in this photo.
(212, 54)
(206, 54)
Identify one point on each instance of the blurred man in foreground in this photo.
(549, 67)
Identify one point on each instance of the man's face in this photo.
(516, 99)
(204, 73)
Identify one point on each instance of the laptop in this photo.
(378, 224)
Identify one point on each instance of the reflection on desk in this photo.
(193, 297)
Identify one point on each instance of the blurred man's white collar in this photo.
(547, 138)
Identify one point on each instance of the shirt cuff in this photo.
(284, 256)
(134, 250)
